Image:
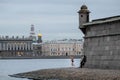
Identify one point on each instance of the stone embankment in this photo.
(40, 57)
(70, 74)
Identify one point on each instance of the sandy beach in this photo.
(70, 74)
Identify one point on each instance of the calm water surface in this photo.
(8, 67)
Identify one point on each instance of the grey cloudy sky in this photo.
(56, 19)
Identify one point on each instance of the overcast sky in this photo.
(55, 19)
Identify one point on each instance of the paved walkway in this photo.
(71, 74)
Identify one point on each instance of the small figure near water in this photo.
(83, 61)
(72, 61)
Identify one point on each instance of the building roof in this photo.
(84, 9)
(103, 20)
(13, 38)
(65, 41)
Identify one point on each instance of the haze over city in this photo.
(55, 19)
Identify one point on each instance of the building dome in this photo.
(83, 7)
(39, 35)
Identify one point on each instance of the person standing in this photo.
(72, 61)
(83, 61)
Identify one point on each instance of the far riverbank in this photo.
(40, 57)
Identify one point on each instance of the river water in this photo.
(9, 66)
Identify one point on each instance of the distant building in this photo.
(39, 40)
(32, 33)
(37, 47)
(15, 46)
(101, 40)
(21, 46)
(62, 47)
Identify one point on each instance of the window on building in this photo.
(81, 15)
(73, 49)
(51, 49)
